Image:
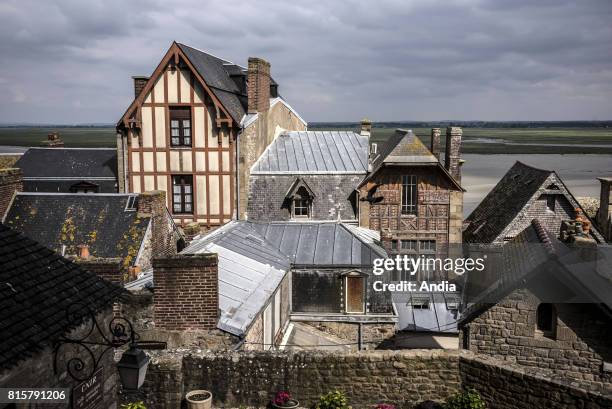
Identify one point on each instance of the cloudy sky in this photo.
(71, 61)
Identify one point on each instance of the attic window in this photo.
(409, 194)
(132, 204)
(373, 149)
(301, 205)
(420, 303)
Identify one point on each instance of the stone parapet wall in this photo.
(403, 378)
(508, 386)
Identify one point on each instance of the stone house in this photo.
(523, 194)
(308, 176)
(316, 272)
(69, 170)
(195, 128)
(38, 292)
(549, 306)
(120, 232)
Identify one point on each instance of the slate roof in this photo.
(439, 317)
(536, 252)
(73, 163)
(254, 258)
(502, 204)
(405, 148)
(314, 152)
(98, 220)
(402, 147)
(37, 287)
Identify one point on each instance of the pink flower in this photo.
(282, 398)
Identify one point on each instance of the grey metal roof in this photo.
(311, 152)
(254, 258)
(437, 318)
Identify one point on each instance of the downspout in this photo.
(238, 172)
(360, 336)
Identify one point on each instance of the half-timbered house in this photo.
(194, 129)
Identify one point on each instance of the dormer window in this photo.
(299, 200)
(301, 204)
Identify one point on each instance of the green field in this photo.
(476, 140)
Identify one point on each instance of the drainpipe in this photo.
(238, 173)
(360, 336)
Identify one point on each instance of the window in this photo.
(132, 203)
(182, 194)
(355, 294)
(427, 246)
(420, 303)
(409, 245)
(301, 204)
(546, 320)
(180, 126)
(393, 244)
(409, 194)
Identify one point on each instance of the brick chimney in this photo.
(258, 88)
(83, 251)
(604, 214)
(11, 182)
(186, 292)
(434, 146)
(452, 160)
(139, 83)
(153, 204)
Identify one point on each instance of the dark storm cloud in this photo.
(70, 61)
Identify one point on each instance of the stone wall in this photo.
(110, 269)
(37, 370)
(372, 334)
(10, 182)
(186, 292)
(507, 386)
(507, 331)
(333, 196)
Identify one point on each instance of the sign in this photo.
(88, 394)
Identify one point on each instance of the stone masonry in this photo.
(507, 331)
(331, 201)
(186, 292)
(403, 378)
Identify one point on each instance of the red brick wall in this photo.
(258, 88)
(186, 292)
(10, 182)
(110, 269)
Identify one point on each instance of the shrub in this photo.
(467, 399)
(333, 400)
(134, 405)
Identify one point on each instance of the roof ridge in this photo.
(211, 54)
(543, 235)
(532, 167)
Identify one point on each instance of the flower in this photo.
(282, 398)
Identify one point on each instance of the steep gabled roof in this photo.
(100, 221)
(37, 290)
(505, 202)
(73, 163)
(535, 255)
(314, 152)
(405, 148)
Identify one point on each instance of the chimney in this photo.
(366, 127)
(186, 292)
(434, 146)
(139, 83)
(153, 204)
(258, 87)
(452, 160)
(11, 182)
(83, 251)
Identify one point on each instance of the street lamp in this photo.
(133, 364)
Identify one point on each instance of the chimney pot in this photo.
(83, 251)
(258, 87)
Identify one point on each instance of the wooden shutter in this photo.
(354, 294)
